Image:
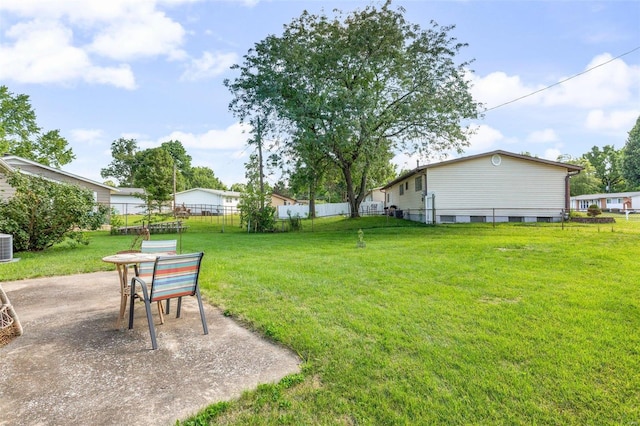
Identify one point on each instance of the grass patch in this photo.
(462, 324)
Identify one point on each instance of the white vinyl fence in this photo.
(367, 208)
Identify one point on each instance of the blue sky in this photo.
(153, 70)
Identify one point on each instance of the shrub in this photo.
(594, 210)
(295, 222)
(42, 213)
(575, 214)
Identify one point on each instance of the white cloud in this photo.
(60, 41)
(498, 88)
(609, 84)
(87, 135)
(552, 154)
(43, 53)
(148, 34)
(209, 65)
(615, 120)
(232, 138)
(484, 138)
(542, 136)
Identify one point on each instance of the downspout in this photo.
(567, 190)
(426, 195)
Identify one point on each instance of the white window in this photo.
(584, 204)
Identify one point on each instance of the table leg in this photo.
(124, 294)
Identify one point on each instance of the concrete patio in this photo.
(71, 366)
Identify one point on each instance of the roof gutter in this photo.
(567, 189)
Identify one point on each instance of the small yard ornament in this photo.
(361, 243)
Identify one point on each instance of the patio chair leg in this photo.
(204, 321)
(166, 311)
(131, 305)
(179, 306)
(152, 329)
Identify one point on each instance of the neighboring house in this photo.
(376, 194)
(127, 202)
(101, 192)
(495, 186)
(6, 191)
(281, 200)
(618, 201)
(204, 201)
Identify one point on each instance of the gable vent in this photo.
(6, 248)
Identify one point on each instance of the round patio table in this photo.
(122, 262)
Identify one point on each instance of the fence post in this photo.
(494, 216)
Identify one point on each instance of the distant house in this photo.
(281, 200)
(618, 201)
(127, 201)
(495, 186)
(6, 191)
(204, 201)
(101, 192)
(375, 194)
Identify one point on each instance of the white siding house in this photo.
(204, 201)
(495, 186)
(618, 201)
(126, 201)
(101, 192)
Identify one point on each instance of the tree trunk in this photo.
(346, 171)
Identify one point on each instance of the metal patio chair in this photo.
(145, 269)
(173, 277)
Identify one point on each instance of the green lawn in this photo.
(458, 324)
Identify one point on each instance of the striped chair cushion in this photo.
(175, 276)
(145, 270)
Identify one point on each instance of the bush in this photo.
(257, 219)
(295, 222)
(594, 210)
(42, 213)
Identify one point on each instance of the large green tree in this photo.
(631, 158)
(256, 212)
(364, 85)
(21, 136)
(204, 177)
(585, 182)
(123, 163)
(154, 173)
(607, 163)
(182, 161)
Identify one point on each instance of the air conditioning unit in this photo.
(6, 248)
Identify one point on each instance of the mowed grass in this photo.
(459, 324)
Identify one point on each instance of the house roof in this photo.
(5, 166)
(15, 162)
(570, 167)
(606, 195)
(130, 191)
(282, 197)
(212, 191)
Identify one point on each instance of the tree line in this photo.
(607, 169)
(160, 171)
